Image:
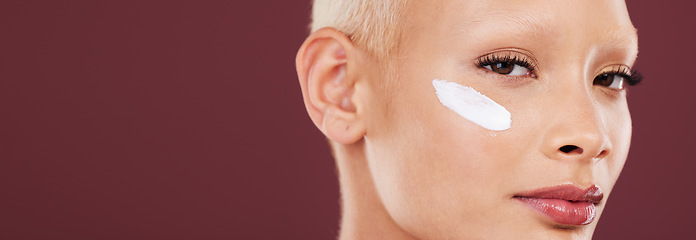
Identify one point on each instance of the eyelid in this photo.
(618, 69)
(522, 56)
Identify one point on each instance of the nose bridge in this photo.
(577, 130)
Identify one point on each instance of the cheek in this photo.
(621, 130)
(617, 122)
(429, 163)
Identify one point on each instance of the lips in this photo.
(564, 204)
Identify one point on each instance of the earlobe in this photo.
(328, 89)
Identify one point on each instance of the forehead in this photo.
(593, 21)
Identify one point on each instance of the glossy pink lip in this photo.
(564, 204)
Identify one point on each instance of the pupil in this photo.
(503, 67)
(603, 80)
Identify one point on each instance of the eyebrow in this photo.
(620, 40)
(537, 26)
(621, 36)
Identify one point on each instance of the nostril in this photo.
(571, 148)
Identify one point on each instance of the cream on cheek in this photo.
(472, 105)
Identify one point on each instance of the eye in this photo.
(617, 78)
(610, 80)
(508, 63)
(508, 68)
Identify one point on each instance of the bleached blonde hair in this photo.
(372, 24)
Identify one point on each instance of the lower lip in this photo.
(562, 211)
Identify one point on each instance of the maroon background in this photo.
(184, 120)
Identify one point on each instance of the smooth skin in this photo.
(411, 168)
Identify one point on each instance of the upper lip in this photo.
(568, 192)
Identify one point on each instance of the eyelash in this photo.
(491, 59)
(631, 78)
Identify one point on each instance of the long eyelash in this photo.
(632, 78)
(507, 58)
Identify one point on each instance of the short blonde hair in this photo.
(372, 24)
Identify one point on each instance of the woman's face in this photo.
(441, 176)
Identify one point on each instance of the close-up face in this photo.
(504, 118)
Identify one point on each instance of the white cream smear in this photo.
(472, 105)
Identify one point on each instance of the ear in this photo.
(328, 88)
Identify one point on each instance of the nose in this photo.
(573, 144)
(577, 135)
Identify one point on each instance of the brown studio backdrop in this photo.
(184, 120)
